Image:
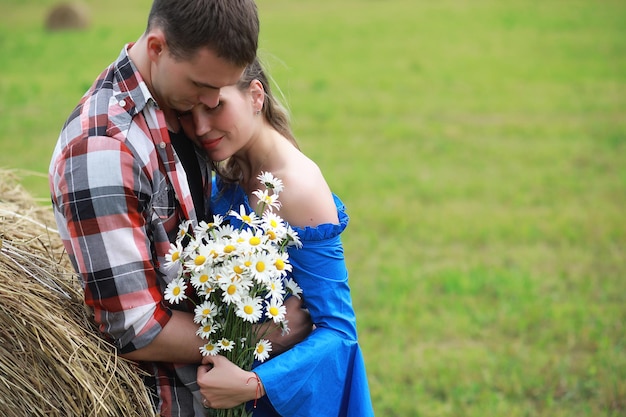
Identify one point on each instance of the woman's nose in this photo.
(209, 97)
(201, 120)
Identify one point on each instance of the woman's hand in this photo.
(224, 385)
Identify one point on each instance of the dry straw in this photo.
(52, 360)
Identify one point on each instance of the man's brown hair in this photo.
(230, 28)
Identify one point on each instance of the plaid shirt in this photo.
(119, 194)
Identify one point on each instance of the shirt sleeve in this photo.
(101, 195)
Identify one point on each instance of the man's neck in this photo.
(138, 54)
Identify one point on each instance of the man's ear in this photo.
(155, 44)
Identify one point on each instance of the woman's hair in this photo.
(273, 111)
(230, 28)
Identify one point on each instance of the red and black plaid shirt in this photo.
(119, 194)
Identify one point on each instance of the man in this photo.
(121, 185)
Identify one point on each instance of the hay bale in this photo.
(52, 359)
(68, 16)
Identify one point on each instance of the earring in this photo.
(258, 112)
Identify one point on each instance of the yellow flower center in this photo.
(206, 311)
(176, 291)
(279, 264)
(271, 234)
(260, 349)
(255, 240)
(273, 223)
(246, 219)
(229, 248)
(203, 278)
(274, 311)
(248, 309)
(231, 289)
(175, 256)
(260, 266)
(238, 269)
(199, 260)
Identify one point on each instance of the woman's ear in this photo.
(257, 94)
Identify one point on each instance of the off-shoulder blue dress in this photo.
(324, 375)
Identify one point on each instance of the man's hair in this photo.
(230, 28)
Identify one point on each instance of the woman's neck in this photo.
(263, 154)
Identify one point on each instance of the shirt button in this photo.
(122, 103)
(162, 145)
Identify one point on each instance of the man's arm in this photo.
(177, 342)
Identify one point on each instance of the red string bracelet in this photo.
(258, 388)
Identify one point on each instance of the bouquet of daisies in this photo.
(239, 276)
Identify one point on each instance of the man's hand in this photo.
(300, 325)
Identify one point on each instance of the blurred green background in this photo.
(480, 147)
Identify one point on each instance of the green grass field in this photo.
(480, 147)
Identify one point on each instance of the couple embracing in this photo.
(176, 131)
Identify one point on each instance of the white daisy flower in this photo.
(175, 291)
(251, 219)
(292, 238)
(261, 268)
(229, 250)
(225, 231)
(184, 228)
(174, 256)
(226, 345)
(271, 182)
(267, 201)
(207, 329)
(235, 268)
(275, 290)
(250, 240)
(274, 226)
(250, 309)
(198, 259)
(262, 350)
(204, 311)
(284, 328)
(275, 311)
(281, 263)
(209, 348)
(294, 288)
(204, 228)
(201, 280)
(231, 292)
(206, 291)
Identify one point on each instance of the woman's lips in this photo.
(209, 144)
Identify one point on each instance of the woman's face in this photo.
(227, 128)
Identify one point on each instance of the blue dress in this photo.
(324, 375)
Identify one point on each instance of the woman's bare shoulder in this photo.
(306, 199)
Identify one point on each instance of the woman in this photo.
(245, 134)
